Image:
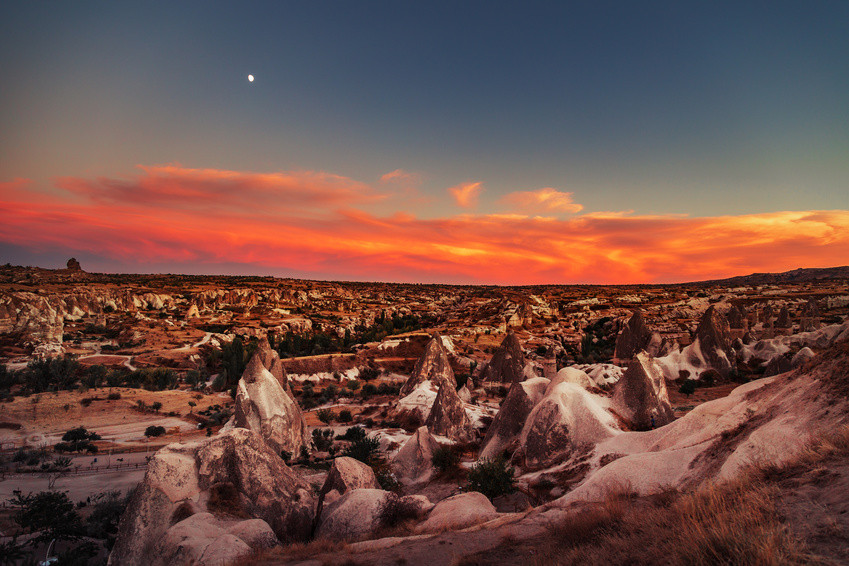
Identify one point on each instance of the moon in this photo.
(250, 78)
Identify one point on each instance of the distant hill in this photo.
(801, 275)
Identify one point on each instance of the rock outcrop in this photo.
(433, 367)
(74, 265)
(458, 512)
(567, 420)
(345, 474)
(714, 338)
(507, 362)
(264, 406)
(508, 423)
(634, 337)
(413, 464)
(448, 415)
(640, 396)
(234, 474)
(354, 516)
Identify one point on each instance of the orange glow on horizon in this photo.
(313, 223)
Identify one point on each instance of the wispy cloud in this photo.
(314, 224)
(545, 200)
(466, 194)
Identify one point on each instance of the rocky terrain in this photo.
(331, 423)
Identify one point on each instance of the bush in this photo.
(345, 416)
(154, 431)
(446, 459)
(325, 415)
(323, 439)
(352, 384)
(369, 373)
(492, 478)
(688, 387)
(113, 396)
(366, 450)
(354, 433)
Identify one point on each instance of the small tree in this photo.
(492, 478)
(156, 406)
(345, 416)
(688, 387)
(446, 459)
(154, 431)
(325, 415)
(353, 384)
(192, 406)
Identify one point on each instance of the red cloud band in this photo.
(186, 217)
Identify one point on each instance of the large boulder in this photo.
(802, 357)
(345, 474)
(507, 362)
(413, 464)
(576, 376)
(235, 474)
(634, 337)
(204, 539)
(640, 396)
(511, 417)
(567, 420)
(448, 415)
(783, 318)
(433, 366)
(264, 406)
(354, 516)
(458, 512)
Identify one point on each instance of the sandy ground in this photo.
(45, 417)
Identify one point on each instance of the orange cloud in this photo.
(542, 200)
(466, 194)
(195, 224)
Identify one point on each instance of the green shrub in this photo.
(154, 430)
(492, 478)
(354, 433)
(325, 415)
(345, 416)
(446, 459)
(323, 439)
(365, 449)
(688, 387)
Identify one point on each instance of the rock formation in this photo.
(640, 396)
(783, 320)
(433, 366)
(507, 361)
(458, 512)
(345, 474)
(413, 464)
(264, 406)
(634, 337)
(354, 516)
(448, 415)
(714, 340)
(568, 419)
(511, 417)
(74, 265)
(234, 474)
(735, 318)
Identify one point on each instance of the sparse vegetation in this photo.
(492, 478)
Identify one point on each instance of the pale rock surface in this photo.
(567, 420)
(576, 376)
(458, 512)
(413, 464)
(802, 357)
(238, 462)
(264, 406)
(354, 516)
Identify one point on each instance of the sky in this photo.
(433, 142)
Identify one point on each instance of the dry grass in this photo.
(737, 522)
